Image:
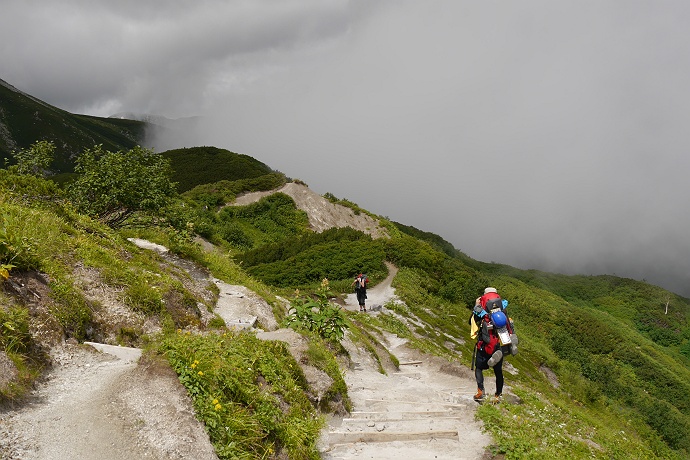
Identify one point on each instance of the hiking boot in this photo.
(479, 396)
(496, 399)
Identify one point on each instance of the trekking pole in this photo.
(474, 357)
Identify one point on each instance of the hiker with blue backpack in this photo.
(495, 336)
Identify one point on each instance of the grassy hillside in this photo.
(25, 119)
(51, 258)
(207, 165)
(602, 370)
(599, 356)
(604, 364)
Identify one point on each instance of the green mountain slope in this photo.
(206, 165)
(25, 120)
(606, 343)
(603, 369)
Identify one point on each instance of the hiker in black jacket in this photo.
(360, 284)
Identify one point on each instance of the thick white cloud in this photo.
(565, 121)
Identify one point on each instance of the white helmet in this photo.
(490, 289)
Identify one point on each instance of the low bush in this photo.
(317, 314)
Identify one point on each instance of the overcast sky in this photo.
(541, 134)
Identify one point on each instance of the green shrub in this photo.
(36, 159)
(272, 218)
(336, 261)
(317, 315)
(672, 425)
(410, 252)
(666, 330)
(293, 246)
(217, 323)
(197, 166)
(685, 349)
(27, 189)
(112, 186)
(233, 234)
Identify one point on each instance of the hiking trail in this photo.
(423, 411)
(102, 401)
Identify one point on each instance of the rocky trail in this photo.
(423, 411)
(106, 406)
(104, 402)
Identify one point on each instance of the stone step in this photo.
(438, 449)
(426, 424)
(391, 405)
(401, 415)
(127, 354)
(242, 323)
(389, 435)
(409, 375)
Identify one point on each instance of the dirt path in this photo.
(378, 295)
(94, 405)
(423, 411)
(322, 213)
(97, 406)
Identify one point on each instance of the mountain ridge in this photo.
(25, 119)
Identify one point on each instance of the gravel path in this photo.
(97, 406)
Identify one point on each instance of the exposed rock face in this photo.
(322, 213)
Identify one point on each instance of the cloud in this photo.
(154, 56)
(562, 121)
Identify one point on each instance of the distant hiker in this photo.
(360, 284)
(493, 330)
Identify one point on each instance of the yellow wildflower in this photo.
(218, 407)
(200, 373)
